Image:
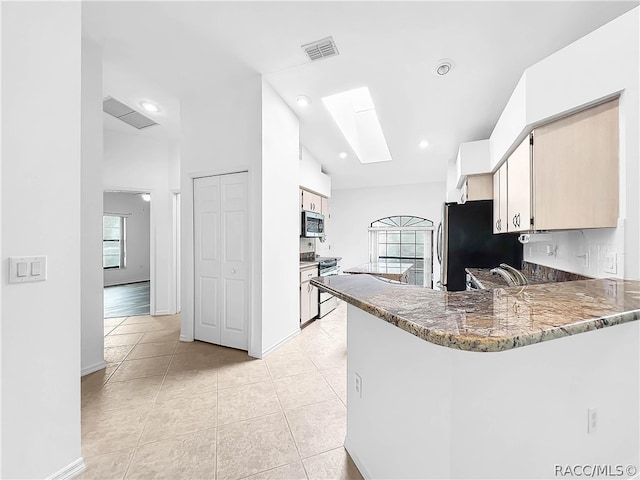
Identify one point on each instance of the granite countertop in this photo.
(381, 268)
(485, 279)
(492, 320)
(305, 264)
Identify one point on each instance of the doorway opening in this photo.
(126, 255)
(404, 239)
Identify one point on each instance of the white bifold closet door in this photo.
(221, 222)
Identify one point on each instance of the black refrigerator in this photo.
(465, 239)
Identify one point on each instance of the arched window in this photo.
(401, 221)
(404, 239)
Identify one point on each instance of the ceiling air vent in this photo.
(126, 113)
(320, 49)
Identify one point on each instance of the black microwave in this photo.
(312, 225)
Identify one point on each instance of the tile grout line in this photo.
(287, 421)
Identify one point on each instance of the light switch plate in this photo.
(30, 273)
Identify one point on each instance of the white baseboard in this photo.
(356, 460)
(70, 471)
(184, 338)
(161, 312)
(284, 340)
(93, 368)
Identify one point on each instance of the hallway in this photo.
(176, 410)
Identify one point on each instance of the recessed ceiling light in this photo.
(342, 155)
(303, 100)
(443, 67)
(146, 197)
(150, 107)
(423, 144)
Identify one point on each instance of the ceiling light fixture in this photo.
(146, 197)
(423, 144)
(150, 107)
(342, 155)
(443, 67)
(303, 100)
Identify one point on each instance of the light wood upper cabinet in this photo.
(311, 202)
(519, 189)
(325, 206)
(576, 167)
(564, 176)
(478, 187)
(500, 200)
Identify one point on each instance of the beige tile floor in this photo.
(175, 410)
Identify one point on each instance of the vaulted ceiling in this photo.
(164, 51)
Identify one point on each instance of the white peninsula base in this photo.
(427, 411)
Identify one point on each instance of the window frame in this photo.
(407, 223)
(122, 241)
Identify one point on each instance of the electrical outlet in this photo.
(585, 259)
(358, 385)
(611, 263)
(592, 420)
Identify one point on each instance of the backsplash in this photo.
(307, 245)
(585, 252)
(541, 273)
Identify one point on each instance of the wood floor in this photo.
(126, 300)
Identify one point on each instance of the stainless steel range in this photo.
(327, 302)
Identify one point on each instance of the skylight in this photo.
(356, 117)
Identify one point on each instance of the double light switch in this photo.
(27, 269)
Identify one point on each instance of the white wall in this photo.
(311, 175)
(138, 237)
(141, 164)
(353, 210)
(473, 158)
(92, 297)
(503, 415)
(41, 215)
(242, 125)
(280, 220)
(601, 64)
(222, 134)
(453, 192)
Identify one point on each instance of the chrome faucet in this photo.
(521, 279)
(511, 281)
(513, 277)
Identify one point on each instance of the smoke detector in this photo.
(321, 49)
(127, 114)
(443, 67)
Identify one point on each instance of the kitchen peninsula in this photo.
(490, 383)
